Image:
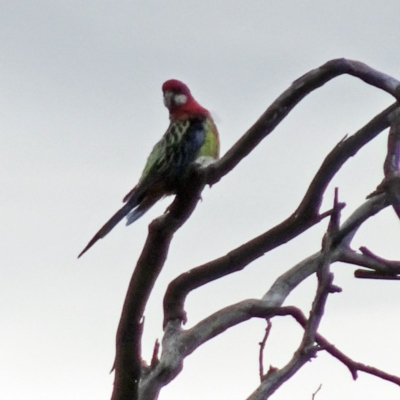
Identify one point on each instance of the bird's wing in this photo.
(170, 156)
(150, 175)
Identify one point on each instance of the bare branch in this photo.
(128, 359)
(267, 387)
(370, 208)
(281, 288)
(381, 268)
(262, 347)
(352, 365)
(385, 268)
(303, 218)
(307, 348)
(315, 393)
(365, 274)
(177, 344)
(325, 279)
(281, 107)
(392, 163)
(152, 259)
(154, 359)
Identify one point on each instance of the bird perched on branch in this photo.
(191, 134)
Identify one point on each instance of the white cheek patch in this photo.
(180, 99)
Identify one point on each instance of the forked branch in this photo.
(154, 254)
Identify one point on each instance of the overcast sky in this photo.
(81, 108)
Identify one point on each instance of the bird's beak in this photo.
(168, 99)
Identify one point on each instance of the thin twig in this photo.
(262, 347)
(154, 358)
(315, 393)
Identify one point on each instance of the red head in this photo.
(179, 100)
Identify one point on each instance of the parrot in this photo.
(191, 134)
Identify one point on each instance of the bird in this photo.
(191, 134)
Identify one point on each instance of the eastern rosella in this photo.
(191, 134)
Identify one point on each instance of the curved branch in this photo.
(127, 361)
(177, 344)
(282, 106)
(128, 358)
(307, 348)
(303, 218)
(273, 380)
(392, 163)
(288, 281)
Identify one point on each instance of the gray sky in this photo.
(80, 109)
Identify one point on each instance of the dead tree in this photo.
(134, 379)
